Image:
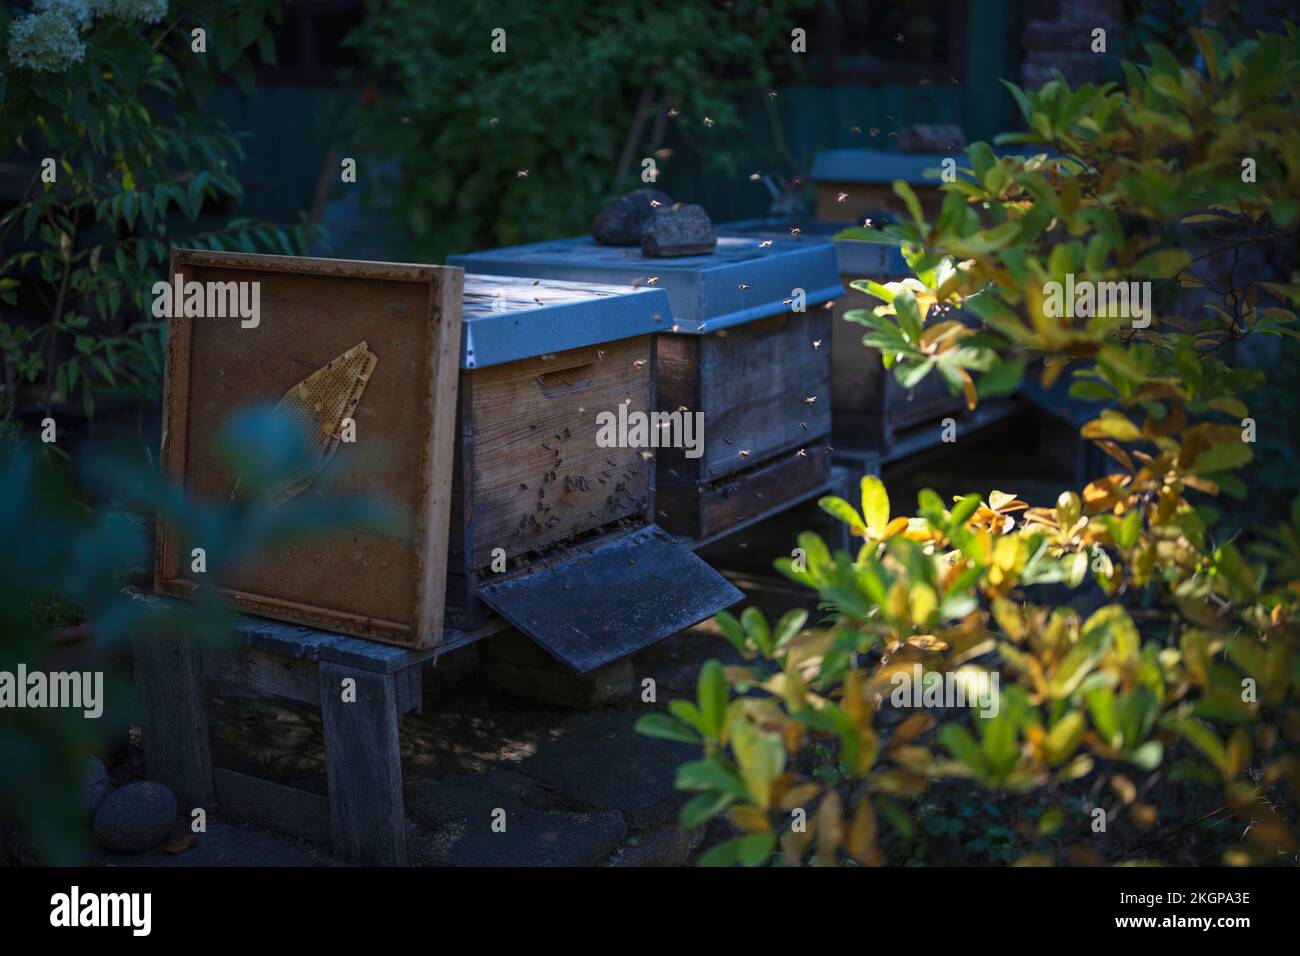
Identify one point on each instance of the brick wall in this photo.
(1058, 35)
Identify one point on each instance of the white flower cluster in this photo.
(143, 11)
(79, 12)
(46, 40)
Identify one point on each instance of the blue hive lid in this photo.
(884, 166)
(505, 319)
(857, 258)
(740, 282)
(881, 166)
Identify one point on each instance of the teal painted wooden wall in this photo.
(291, 129)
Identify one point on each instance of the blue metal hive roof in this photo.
(880, 166)
(505, 318)
(740, 282)
(856, 257)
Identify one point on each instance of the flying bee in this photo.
(817, 343)
(709, 122)
(765, 244)
(522, 174)
(841, 197)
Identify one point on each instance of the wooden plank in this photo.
(462, 579)
(437, 434)
(765, 388)
(538, 474)
(363, 765)
(410, 690)
(677, 384)
(272, 805)
(929, 438)
(704, 511)
(605, 600)
(870, 406)
(514, 665)
(386, 588)
(872, 199)
(265, 672)
(169, 680)
(293, 641)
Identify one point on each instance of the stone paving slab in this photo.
(599, 759)
(455, 819)
(227, 844)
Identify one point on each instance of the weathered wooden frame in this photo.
(437, 417)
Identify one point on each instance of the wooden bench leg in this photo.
(169, 681)
(363, 765)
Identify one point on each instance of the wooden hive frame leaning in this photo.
(410, 315)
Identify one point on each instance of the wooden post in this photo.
(169, 682)
(363, 765)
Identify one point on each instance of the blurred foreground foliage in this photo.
(71, 557)
(1139, 650)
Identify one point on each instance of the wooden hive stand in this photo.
(364, 817)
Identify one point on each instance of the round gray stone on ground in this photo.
(136, 817)
(620, 222)
(94, 786)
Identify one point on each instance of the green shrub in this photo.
(117, 105)
(1188, 673)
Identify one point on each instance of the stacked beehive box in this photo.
(869, 406)
(745, 344)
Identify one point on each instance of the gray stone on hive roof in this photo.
(620, 222)
(680, 231)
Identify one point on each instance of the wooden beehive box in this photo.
(865, 180)
(541, 359)
(869, 406)
(733, 348)
(479, 418)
